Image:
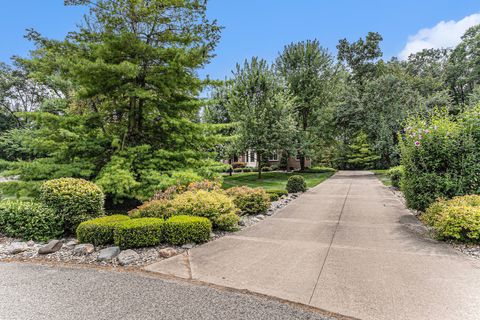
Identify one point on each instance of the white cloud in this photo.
(444, 34)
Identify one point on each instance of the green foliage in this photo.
(250, 200)
(458, 218)
(440, 157)
(261, 109)
(203, 204)
(395, 174)
(29, 220)
(319, 170)
(186, 229)
(296, 183)
(136, 233)
(20, 189)
(266, 169)
(153, 209)
(74, 200)
(361, 156)
(227, 222)
(99, 231)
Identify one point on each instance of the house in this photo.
(250, 159)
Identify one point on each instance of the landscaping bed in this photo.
(71, 252)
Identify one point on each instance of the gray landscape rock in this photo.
(17, 247)
(260, 216)
(108, 254)
(30, 243)
(71, 243)
(188, 246)
(51, 247)
(167, 252)
(241, 223)
(83, 249)
(127, 257)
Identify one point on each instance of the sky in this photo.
(263, 27)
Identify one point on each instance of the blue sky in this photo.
(262, 27)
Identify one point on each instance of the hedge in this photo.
(29, 220)
(136, 233)
(74, 200)
(249, 200)
(179, 230)
(99, 231)
(296, 183)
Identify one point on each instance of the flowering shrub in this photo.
(440, 157)
(202, 203)
(171, 191)
(74, 200)
(458, 218)
(250, 200)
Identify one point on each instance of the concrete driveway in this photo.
(348, 246)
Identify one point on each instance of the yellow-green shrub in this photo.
(136, 233)
(99, 231)
(458, 218)
(153, 209)
(227, 222)
(74, 200)
(250, 200)
(203, 203)
(186, 229)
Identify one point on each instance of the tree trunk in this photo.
(259, 165)
(302, 162)
(304, 127)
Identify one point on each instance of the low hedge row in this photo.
(143, 232)
(99, 231)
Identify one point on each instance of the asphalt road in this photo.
(34, 292)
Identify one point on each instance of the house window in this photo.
(273, 157)
(252, 156)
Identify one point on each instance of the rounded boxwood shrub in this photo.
(203, 203)
(395, 174)
(74, 200)
(227, 222)
(153, 209)
(249, 200)
(99, 231)
(186, 229)
(458, 218)
(137, 233)
(29, 220)
(296, 183)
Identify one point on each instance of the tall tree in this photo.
(309, 72)
(262, 110)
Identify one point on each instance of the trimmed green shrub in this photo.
(29, 220)
(296, 183)
(247, 169)
(319, 170)
(238, 170)
(99, 231)
(276, 194)
(249, 200)
(153, 209)
(136, 233)
(74, 200)
(440, 157)
(266, 169)
(186, 229)
(395, 174)
(274, 167)
(203, 203)
(458, 218)
(227, 222)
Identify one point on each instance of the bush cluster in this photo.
(29, 220)
(203, 203)
(153, 209)
(440, 158)
(179, 230)
(74, 200)
(99, 231)
(395, 174)
(276, 194)
(136, 233)
(250, 200)
(266, 169)
(458, 218)
(319, 170)
(296, 183)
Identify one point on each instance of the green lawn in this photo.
(383, 176)
(271, 180)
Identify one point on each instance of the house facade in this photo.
(250, 159)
